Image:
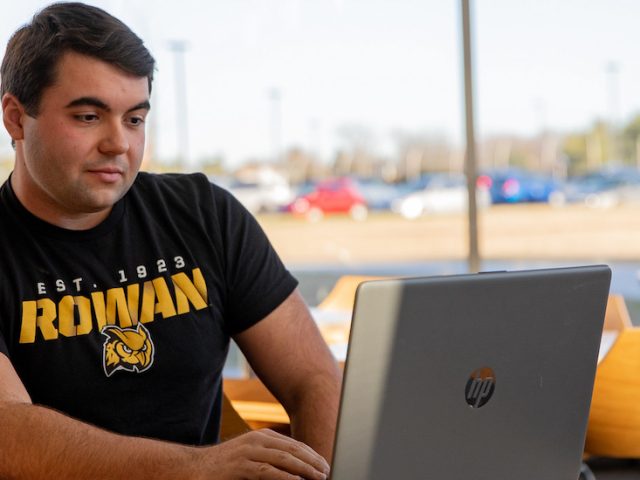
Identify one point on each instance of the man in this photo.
(119, 291)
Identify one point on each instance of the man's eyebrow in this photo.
(141, 106)
(88, 101)
(95, 102)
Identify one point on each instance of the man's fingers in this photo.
(291, 456)
(295, 445)
(300, 450)
(267, 455)
(287, 462)
(266, 470)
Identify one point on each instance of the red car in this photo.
(339, 195)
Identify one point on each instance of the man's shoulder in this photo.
(181, 193)
(170, 180)
(184, 185)
(172, 186)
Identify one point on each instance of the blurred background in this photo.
(340, 124)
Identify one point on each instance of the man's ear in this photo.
(12, 114)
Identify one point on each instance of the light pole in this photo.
(276, 123)
(470, 164)
(612, 87)
(178, 47)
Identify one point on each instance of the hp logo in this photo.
(480, 387)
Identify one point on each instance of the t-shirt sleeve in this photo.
(3, 345)
(256, 279)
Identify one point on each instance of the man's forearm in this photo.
(37, 443)
(314, 419)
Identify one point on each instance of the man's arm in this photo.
(290, 356)
(38, 442)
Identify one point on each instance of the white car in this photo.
(263, 191)
(443, 194)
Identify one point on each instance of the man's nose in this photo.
(114, 140)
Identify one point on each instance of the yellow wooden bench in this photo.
(614, 421)
(231, 424)
(343, 294)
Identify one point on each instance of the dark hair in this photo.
(33, 52)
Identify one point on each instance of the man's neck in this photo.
(42, 208)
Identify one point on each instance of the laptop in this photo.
(481, 376)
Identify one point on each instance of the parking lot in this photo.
(523, 231)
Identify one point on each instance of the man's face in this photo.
(82, 151)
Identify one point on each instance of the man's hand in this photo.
(261, 454)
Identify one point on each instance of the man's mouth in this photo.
(107, 175)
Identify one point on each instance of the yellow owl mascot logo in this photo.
(129, 349)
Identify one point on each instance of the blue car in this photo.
(515, 186)
(600, 188)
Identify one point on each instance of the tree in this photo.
(630, 141)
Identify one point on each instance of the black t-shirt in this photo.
(127, 325)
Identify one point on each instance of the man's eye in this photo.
(87, 117)
(135, 121)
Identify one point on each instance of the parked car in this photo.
(380, 195)
(340, 195)
(594, 190)
(515, 185)
(443, 194)
(600, 189)
(262, 191)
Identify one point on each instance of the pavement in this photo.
(505, 232)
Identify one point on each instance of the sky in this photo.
(263, 76)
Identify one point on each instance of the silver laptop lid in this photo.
(483, 376)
